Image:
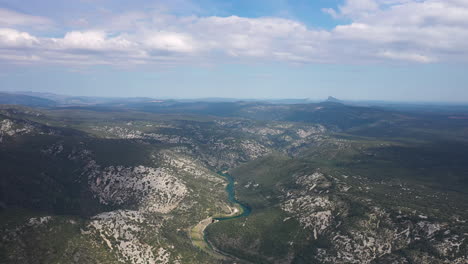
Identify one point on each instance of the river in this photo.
(197, 233)
(230, 189)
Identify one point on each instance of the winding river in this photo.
(245, 209)
(197, 233)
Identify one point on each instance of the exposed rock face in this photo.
(179, 163)
(450, 245)
(36, 221)
(362, 243)
(264, 131)
(154, 193)
(292, 139)
(218, 152)
(308, 205)
(146, 199)
(121, 232)
(230, 152)
(150, 189)
(311, 212)
(13, 128)
(153, 189)
(10, 128)
(6, 127)
(253, 149)
(312, 130)
(130, 133)
(373, 236)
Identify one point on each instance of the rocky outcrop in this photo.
(121, 231)
(152, 189)
(310, 204)
(320, 204)
(14, 128)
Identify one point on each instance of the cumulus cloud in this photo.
(11, 38)
(93, 40)
(375, 31)
(170, 41)
(420, 31)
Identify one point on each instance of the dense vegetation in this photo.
(133, 181)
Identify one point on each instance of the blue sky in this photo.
(399, 50)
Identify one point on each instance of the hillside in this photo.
(19, 99)
(323, 183)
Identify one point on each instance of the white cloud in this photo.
(10, 18)
(406, 56)
(358, 8)
(380, 31)
(11, 38)
(437, 29)
(93, 40)
(170, 41)
(259, 38)
(84, 40)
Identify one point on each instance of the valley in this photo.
(243, 183)
(234, 132)
(238, 210)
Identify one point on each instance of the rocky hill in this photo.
(324, 185)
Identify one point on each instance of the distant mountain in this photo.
(329, 114)
(19, 99)
(289, 101)
(50, 96)
(66, 100)
(333, 100)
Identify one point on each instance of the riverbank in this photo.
(197, 233)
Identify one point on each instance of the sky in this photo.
(395, 50)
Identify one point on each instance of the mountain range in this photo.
(170, 181)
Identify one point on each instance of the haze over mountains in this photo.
(86, 100)
(68, 100)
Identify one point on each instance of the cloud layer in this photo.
(372, 31)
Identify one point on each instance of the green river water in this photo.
(245, 209)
